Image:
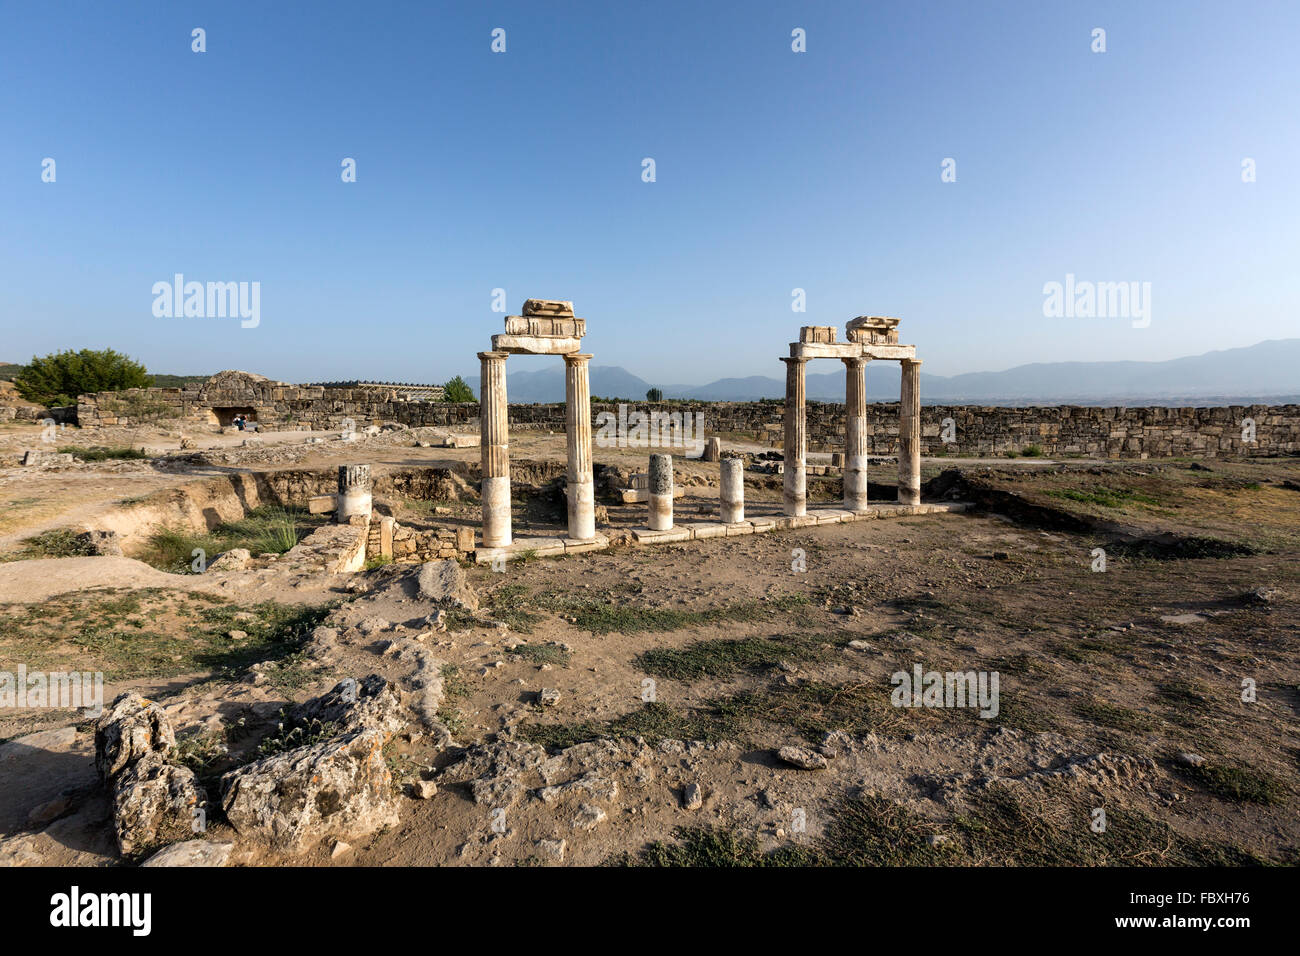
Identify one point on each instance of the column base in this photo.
(495, 493)
(661, 512)
(582, 510)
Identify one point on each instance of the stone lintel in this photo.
(535, 344)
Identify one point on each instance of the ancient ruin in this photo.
(547, 327)
(870, 337)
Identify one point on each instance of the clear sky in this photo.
(522, 170)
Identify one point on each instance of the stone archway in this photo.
(870, 337)
(547, 327)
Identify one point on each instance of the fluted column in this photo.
(909, 434)
(494, 441)
(795, 485)
(855, 434)
(354, 497)
(577, 430)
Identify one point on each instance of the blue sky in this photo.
(775, 170)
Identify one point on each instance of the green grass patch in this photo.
(1235, 784)
(103, 452)
(268, 529)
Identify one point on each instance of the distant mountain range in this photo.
(1266, 372)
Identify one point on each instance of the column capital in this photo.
(788, 359)
(577, 358)
(852, 360)
(911, 361)
(493, 356)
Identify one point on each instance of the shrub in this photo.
(58, 378)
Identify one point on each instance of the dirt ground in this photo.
(1141, 617)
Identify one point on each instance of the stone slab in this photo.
(535, 344)
(646, 536)
(739, 527)
(708, 530)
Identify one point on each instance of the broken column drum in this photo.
(354, 492)
(661, 492)
(731, 491)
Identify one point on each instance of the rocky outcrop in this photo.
(445, 582)
(130, 729)
(339, 788)
(154, 801)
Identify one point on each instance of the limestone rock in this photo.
(371, 703)
(129, 730)
(155, 802)
(552, 849)
(236, 559)
(802, 758)
(588, 817)
(548, 697)
(1191, 759)
(692, 797)
(192, 853)
(557, 307)
(445, 582)
(293, 800)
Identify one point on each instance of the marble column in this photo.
(577, 430)
(795, 486)
(909, 434)
(661, 492)
(494, 442)
(855, 434)
(731, 490)
(354, 497)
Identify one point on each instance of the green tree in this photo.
(655, 395)
(457, 391)
(58, 378)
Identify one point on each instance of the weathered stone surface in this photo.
(548, 307)
(368, 704)
(692, 797)
(155, 802)
(129, 730)
(802, 758)
(236, 559)
(192, 853)
(445, 582)
(338, 788)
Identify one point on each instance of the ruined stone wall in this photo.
(978, 430)
(1108, 432)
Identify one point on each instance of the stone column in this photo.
(731, 491)
(354, 492)
(795, 485)
(494, 442)
(577, 430)
(909, 434)
(661, 492)
(855, 434)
